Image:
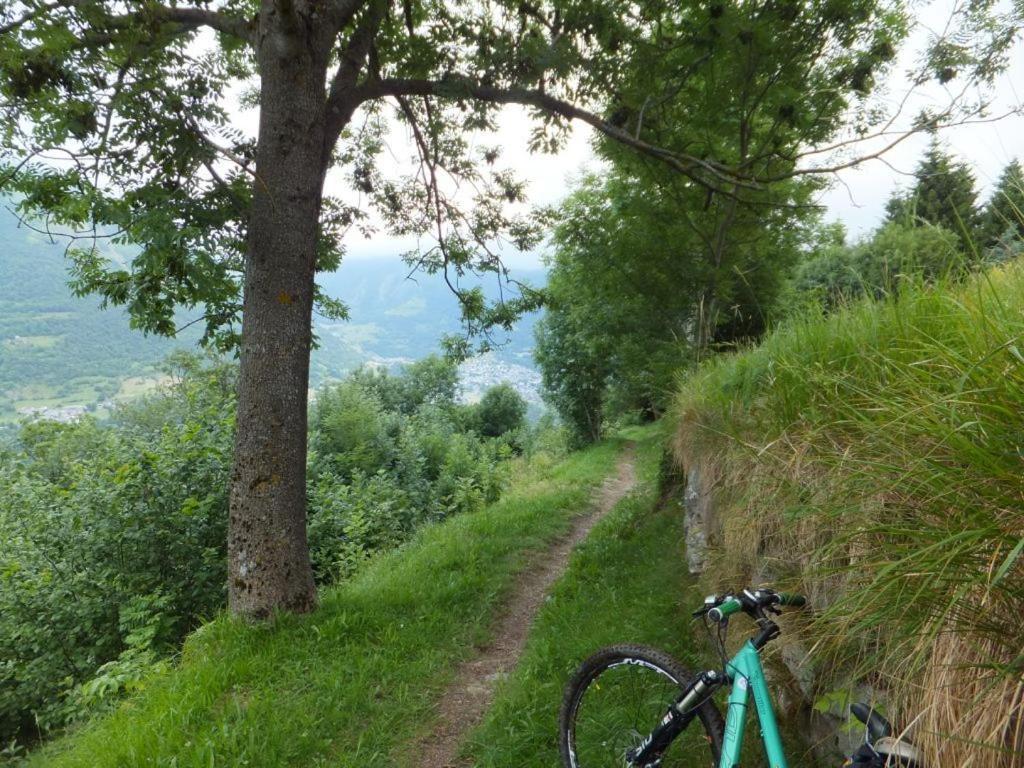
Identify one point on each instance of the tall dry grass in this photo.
(875, 458)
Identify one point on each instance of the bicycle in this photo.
(627, 705)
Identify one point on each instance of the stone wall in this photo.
(788, 664)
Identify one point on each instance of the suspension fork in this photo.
(680, 714)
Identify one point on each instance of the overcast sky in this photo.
(857, 196)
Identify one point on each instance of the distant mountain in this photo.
(56, 349)
(396, 318)
(59, 351)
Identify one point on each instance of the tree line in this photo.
(632, 279)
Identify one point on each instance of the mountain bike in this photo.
(631, 706)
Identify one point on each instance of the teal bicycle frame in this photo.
(745, 673)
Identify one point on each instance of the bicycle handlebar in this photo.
(753, 602)
(721, 612)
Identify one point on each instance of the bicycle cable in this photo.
(718, 643)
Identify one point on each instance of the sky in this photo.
(856, 196)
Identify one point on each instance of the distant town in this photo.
(479, 373)
(476, 376)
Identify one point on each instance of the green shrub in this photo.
(880, 265)
(501, 409)
(432, 380)
(350, 432)
(351, 519)
(111, 549)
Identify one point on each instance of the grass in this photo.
(627, 583)
(348, 684)
(874, 458)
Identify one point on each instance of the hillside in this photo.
(871, 458)
(57, 350)
(359, 680)
(396, 318)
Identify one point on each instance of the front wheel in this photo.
(617, 698)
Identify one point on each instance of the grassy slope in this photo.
(349, 683)
(627, 583)
(875, 456)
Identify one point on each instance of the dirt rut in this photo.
(467, 699)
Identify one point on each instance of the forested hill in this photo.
(60, 350)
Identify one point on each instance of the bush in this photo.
(432, 380)
(880, 265)
(502, 409)
(351, 519)
(350, 432)
(111, 548)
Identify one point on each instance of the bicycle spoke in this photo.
(617, 714)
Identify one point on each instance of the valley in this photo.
(62, 356)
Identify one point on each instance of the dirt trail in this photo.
(469, 696)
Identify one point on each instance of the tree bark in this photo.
(268, 555)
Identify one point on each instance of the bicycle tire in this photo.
(626, 655)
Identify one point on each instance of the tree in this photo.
(350, 429)
(574, 366)
(898, 251)
(501, 410)
(943, 195)
(666, 270)
(630, 276)
(621, 289)
(117, 125)
(432, 380)
(1002, 221)
(762, 83)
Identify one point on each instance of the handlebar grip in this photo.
(788, 598)
(726, 609)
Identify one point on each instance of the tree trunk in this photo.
(268, 555)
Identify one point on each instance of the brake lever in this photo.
(711, 601)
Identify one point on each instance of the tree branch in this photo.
(341, 12)
(459, 87)
(32, 14)
(186, 17)
(235, 26)
(341, 101)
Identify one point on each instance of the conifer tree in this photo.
(944, 194)
(1002, 220)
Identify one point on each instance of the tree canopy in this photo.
(501, 410)
(118, 125)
